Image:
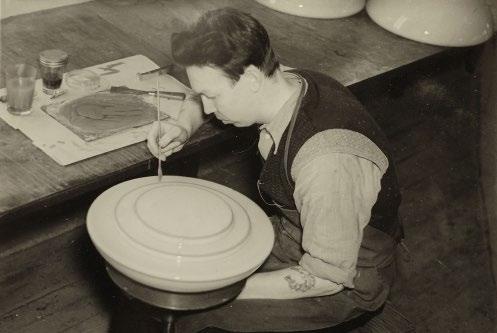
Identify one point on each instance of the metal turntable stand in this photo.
(172, 303)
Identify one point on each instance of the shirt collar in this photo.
(280, 122)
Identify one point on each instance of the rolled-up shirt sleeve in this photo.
(335, 191)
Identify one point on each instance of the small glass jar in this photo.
(52, 65)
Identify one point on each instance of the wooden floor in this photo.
(56, 282)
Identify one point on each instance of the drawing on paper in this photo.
(99, 115)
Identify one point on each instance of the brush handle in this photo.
(163, 94)
(169, 94)
(159, 133)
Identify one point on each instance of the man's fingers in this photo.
(152, 146)
(166, 140)
(171, 133)
(170, 146)
(172, 140)
(177, 149)
(152, 135)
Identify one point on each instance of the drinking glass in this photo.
(20, 82)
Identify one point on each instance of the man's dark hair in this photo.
(228, 39)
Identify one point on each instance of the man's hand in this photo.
(175, 133)
(173, 139)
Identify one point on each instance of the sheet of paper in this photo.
(64, 146)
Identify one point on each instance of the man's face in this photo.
(229, 101)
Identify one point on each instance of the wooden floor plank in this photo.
(61, 310)
(98, 323)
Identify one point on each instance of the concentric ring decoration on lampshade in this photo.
(323, 9)
(181, 234)
(454, 23)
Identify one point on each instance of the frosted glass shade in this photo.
(437, 22)
(316, 8)
(180, 234)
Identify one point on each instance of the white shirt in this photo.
(337, 175)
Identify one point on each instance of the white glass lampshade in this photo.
(316, 8)
(437, 22)
(180, 234)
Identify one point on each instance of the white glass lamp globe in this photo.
(454, 23)
(322, 9)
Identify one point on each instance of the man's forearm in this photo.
(191, 116)
(289, 283)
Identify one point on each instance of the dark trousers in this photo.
(273, 315)
(306, 314)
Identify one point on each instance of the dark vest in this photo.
(329, 105)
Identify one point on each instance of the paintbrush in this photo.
(146, 75)
(159, 167)
(165, 94)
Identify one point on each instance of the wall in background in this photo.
(16, 7)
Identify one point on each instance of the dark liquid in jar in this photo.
(51, 81)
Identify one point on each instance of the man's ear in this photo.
(253, 77)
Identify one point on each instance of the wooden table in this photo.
(353, 50)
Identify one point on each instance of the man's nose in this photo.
(208, 105)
